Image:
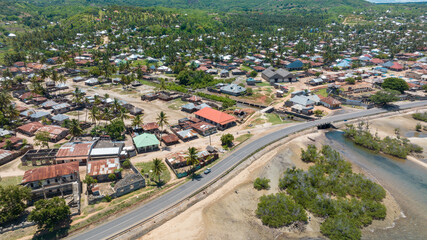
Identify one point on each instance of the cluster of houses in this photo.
(56, 171)
(205, 122)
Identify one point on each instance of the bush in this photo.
(126, 164)
(331, 190)
(48, 213)
(279, 210)
(112, 176)
(261, 183)
(420, 116)
(227, 140)
(340, 227)
(310, 155)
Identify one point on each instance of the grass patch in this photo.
(246, 68)
(274, 118)
(147, 166)
(5, 181)
(263, 84)
(244, 137)
(176, 104)
(322, 92)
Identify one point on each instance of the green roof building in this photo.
(146, 142)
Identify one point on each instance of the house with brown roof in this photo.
(56, 133)
(30, 129)
(330, 102)
(74, 151)
(52, 180)
(170, 139)
(150, 127)
(219, 119)
(204, 128)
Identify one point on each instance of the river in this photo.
(404, 179)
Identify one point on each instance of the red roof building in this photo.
(150, 127)
(73, 151)
(56, 133)
(219, 119)
(377, 61)
(170, 139)
(50, 172)
(396, 67)
(30, 128)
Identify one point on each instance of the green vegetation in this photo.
(398, 147)
(420, 116)
(145, 168)
(385, 97)
(5, 181)
(274, 118)
(322, 92)
(309, 155)
(226, 101)
(261, 183)
(50, 213)
(279, 210)
(13, 201)
(244, 137)
(397, 84)
(331, 190)
(227, 140)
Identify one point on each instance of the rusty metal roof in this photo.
(52, 171)
(74, 149)
(103, 167)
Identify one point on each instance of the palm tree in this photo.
(122, 114)
(162, 120)
(77, 99)
(94, 114)
(158, 167)
(116, 105)
(137, 121)
(75, 129)
(192, 157)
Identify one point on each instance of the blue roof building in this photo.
(296, 65)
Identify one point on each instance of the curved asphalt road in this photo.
(170, 198)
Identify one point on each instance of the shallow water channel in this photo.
(404, 179)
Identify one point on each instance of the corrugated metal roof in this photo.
(52, 171)
(105, 151)
(74, 149)
(103, 167)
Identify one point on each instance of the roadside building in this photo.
(330, 102)
(217, 118)
(52, 180)
(146, 142)
(204, 128)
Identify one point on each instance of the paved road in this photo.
(169, 199)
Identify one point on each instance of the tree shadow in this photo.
(160, 183)
(196, 177)
(59, 232)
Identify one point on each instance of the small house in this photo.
(146, 142)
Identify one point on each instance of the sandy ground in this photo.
(229, 213)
